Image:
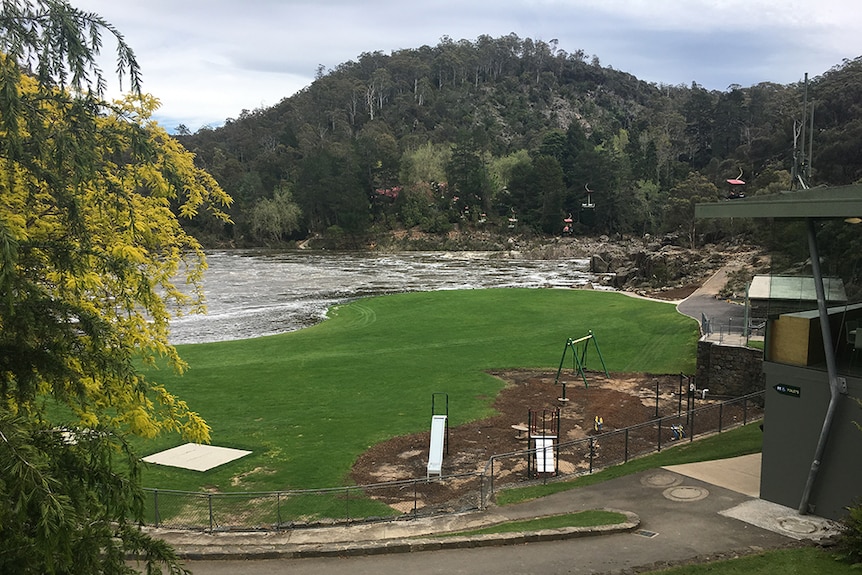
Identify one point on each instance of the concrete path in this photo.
(725, 318)
(684, 514)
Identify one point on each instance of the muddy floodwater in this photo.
(256, 293)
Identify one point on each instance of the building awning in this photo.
(834, 202)
(795, 288)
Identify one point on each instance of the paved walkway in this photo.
(676, 514)
(725, 318)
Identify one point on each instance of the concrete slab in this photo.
(783, 520)
(739, 474)
(196, 456)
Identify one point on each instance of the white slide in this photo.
(435, 451)
(545, 455)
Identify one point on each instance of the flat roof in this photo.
(826, 202)
(796, 288)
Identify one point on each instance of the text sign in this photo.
(790, 390)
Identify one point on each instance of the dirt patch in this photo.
(620, 400)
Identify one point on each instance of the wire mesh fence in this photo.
(293, 509)
(408, 499)
(604, 449)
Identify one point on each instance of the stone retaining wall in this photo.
(729, 370)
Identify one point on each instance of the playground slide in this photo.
(435, 451)
(545, 455)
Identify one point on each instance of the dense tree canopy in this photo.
(93, 263)
(447, 116)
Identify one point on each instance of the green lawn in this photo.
(307, 403)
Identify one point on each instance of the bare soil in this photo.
(620, 400)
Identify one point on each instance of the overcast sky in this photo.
(207, 60)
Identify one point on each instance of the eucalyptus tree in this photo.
(90, 254)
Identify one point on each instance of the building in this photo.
(775, 294)
(812, 443)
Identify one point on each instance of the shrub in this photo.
(849, 547)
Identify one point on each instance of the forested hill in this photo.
(516, 135)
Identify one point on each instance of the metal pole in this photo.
(656, 399)
(829, 349)
(626, 455)
(278, 508)
(156, 505)
(210, 502)
(347, 503)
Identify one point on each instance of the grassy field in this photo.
(307, 403)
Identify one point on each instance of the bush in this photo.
(849, 547)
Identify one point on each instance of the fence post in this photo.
(659, 435)
(592, 453)
(626, 455)
(156, 507)
(415, 499)
(278, 508)
(691, 428)
(210, 502)
(491, 483)
(720, 415)
(347, 503)
(745, 410)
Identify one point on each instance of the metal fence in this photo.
(414, 498)
(733, 331)
(602, 450)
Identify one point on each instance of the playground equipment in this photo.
(579, 358)
(439, 437)
(543, 428)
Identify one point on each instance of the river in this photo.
(252, 293)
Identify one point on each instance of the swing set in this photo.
(579, 348)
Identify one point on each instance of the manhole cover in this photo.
(686, 493)
(661, 480)
(797, 525)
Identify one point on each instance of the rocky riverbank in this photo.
(654, 266)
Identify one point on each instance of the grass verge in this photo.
(591, 518)
(802, 561)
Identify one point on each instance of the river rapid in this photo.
(256, 293)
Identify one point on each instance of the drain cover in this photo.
(797, 525)
(661, 480)
(647, 534)
(686, 493)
